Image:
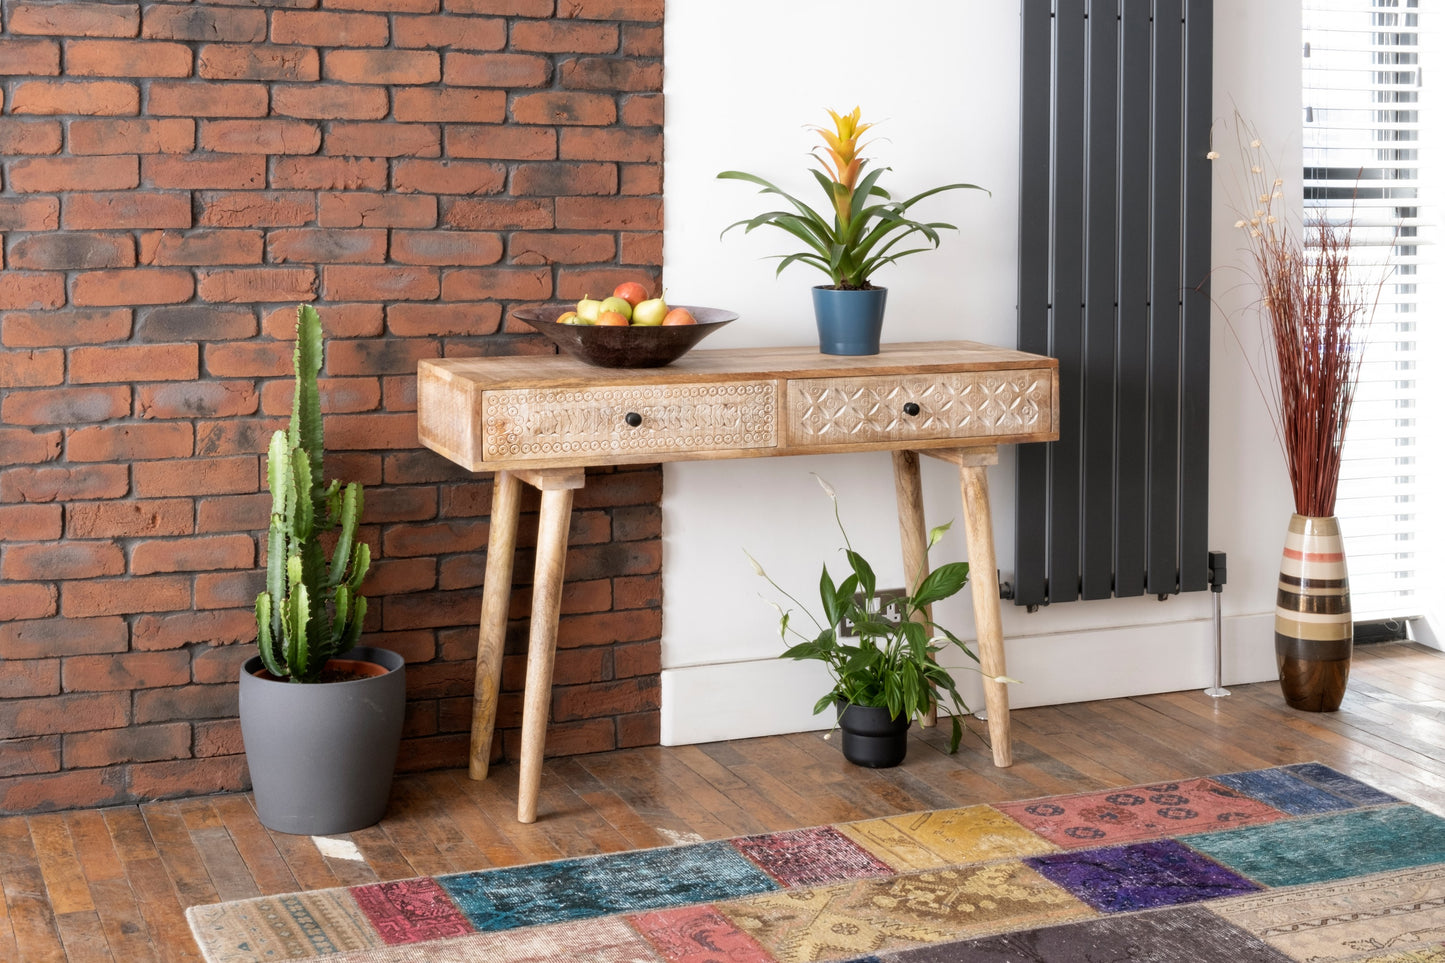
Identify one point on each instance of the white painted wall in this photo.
(1430, 340)
(941, 78)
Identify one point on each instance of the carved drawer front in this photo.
(823, 411)
(546, 423)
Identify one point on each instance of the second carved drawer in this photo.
(964, 404)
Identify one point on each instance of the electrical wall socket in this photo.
(886, 601)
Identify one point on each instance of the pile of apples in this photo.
(629, 306)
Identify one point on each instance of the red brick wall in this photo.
(176, 177)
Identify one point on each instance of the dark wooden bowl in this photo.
(629, 347)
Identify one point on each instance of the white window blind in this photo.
(1361, 139)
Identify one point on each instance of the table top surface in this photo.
(722, 364)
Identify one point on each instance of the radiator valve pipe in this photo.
(1216, 591)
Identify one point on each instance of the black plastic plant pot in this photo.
(871, 737)
(322, 755)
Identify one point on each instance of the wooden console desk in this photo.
(543, 420)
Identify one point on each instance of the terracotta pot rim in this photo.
(371, 670)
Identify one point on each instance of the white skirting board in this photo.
(1425, 630)
(740, 700)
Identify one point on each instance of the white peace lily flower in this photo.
(756, 567)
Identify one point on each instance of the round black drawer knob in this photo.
(911, 408)
(633, 419)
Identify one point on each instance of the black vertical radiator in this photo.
(1113, 269)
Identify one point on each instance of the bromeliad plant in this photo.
(887, 664)
(865, 226)
(311, 610)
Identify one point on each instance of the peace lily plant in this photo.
(863, 228)
(885, 664)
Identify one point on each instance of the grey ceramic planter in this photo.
(849, 322)
(322, 755)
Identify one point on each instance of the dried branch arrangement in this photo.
(1317, 305)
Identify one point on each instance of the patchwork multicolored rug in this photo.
(1297, 863)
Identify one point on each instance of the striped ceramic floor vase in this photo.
(1313, 629)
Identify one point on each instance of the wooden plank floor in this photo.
(113, 884)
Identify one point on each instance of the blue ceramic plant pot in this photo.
(849, 322)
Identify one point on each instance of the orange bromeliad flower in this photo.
(842, 160)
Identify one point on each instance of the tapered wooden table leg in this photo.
(986, 618)
(496, 595)
(556, 516)
(912, 532)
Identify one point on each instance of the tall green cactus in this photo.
(310, 611)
